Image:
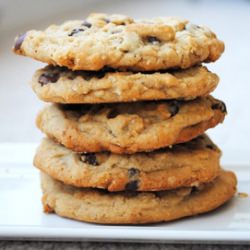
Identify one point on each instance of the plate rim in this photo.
(136, 234)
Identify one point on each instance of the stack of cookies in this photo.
(125, 133)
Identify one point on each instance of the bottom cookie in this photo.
(99, 206)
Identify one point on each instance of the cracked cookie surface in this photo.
(119, 41)
(183, 165)
(129, 127)
(60, 85)
(100, 206)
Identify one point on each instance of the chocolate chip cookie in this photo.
(119, 41)
(183, 165)
(129, 127)
(60, 85)
(100, 206)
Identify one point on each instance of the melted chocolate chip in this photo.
(19, 41)
(48, 77)
(112, 113)
(133, 172)
(221, 106)
(152, 39)
(87, 24)
(194, 190)
(132, 186)
(75, 31)
(173, 108)
(89, 158)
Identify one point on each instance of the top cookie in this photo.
(119, 41)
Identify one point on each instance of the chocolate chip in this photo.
(194, 190)
(112, 113)
(89, 158)
(48, 77)
(221, 106)
(132, 186)
(173, 108)
(152, 39)
(75, 31)
(87, 24)
(133, 172)
(19, 41)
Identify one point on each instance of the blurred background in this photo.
(230, 20)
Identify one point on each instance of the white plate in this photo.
(21, 213)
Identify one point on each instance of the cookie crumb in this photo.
(243, 195)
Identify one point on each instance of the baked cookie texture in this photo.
(183, 165)
(118, 41)
(60, 85)
(129, 127)
(126, 142)
(100, 206)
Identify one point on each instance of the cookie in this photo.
(60, 85)
(119, 41)
(187, 164)
(129, 127)
(100, 206)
